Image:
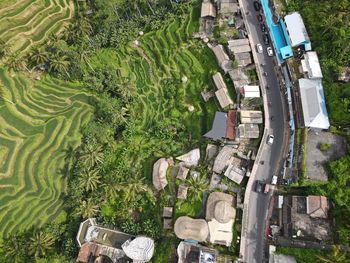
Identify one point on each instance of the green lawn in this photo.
(36, 132)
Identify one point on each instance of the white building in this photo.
(311, 65)
(297, 31)
(251, 91)
(313, 103)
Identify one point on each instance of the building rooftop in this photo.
(218, 130)
(313, 104)
(317, 206)
(239, 78)
(223, 97)
(251, 116)
(188, 228)
(248, 130)
(182, 192)
(208, 9)
(219, 81)
(182, 173)
(168, 211)
(222, 160)
(191, 158)
(189, 252)
(251, 91)
(311, 65)
(231, 124)
(296, 29)
(221, 57)
(239, 45)
(140, 249)
(160, 168)
(227, 6)
(235, 173)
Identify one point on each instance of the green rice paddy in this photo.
(155, 67)
(40, 121)
(24, 23)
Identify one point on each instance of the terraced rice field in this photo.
(40, 121)
(24, 23)
(156, 67)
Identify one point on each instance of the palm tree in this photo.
(87, 208)
(92, 155)
(337, 256)
(197, 185)
(38, 56)
(4, 49)
(59, 63)
(16, 62)
(41, 243)
(133, 187)
(13, 248)
(89, 179)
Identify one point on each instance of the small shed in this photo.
(182, 173)
(182, 192)
(167, 223)
(160, 168)
(168, 211)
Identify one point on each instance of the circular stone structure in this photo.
(224, 212)
(190, 108)
(184, 79)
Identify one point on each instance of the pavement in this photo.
(255, 210)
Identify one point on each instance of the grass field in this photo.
(40, 121)
(24, 23)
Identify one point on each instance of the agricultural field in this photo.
(168, 70)
(24, 23)
(40, 124)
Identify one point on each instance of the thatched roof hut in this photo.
(189, 228)
(140, 249)
(191, 158)
(159, 174)
(221, 207)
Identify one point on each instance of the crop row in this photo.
(43, 120)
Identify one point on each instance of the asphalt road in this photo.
(271, 155)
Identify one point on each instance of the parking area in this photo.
(322, 147)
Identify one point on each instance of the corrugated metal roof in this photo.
(313, 103)
(218, 130)
(296, 29)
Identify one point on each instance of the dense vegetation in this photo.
(328, 25)
(143, 89)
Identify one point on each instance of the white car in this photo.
(270, 139)
(269, 51)
(274, 180)
(259, 48)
